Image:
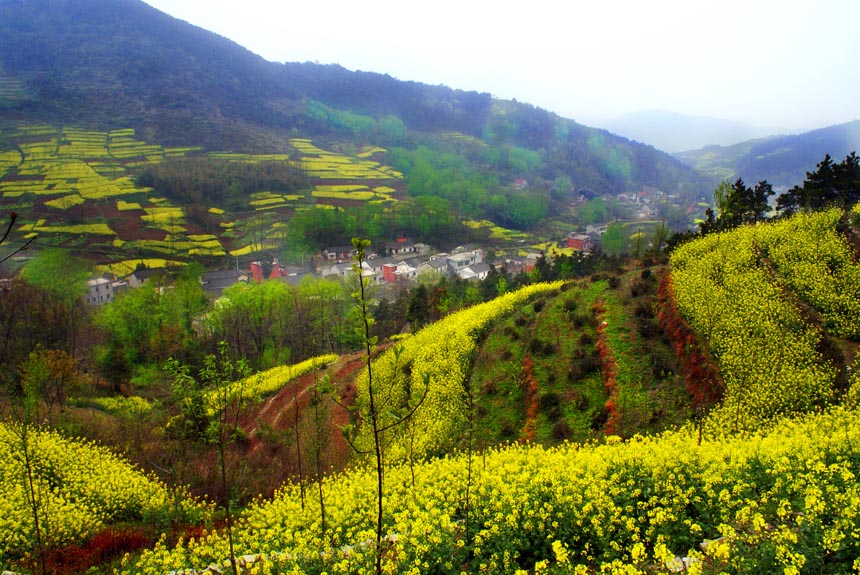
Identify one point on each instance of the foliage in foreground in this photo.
(785, 501)
(80, 488)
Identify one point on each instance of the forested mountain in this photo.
(106, 64)
(781, 160)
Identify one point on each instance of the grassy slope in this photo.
(566, 380)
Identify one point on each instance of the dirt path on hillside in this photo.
(286, 411)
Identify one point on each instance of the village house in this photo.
(338, 253)
(140, 276)
(531, 261)
(376, 265)
(344, 270)
(579, 242)
(437, 264)
(276, 271)
(462, 260)
(341, 270)
(401, 247)
(103, 290)
(399, 272)
(215, 282)
(477, 272)
(514, 267)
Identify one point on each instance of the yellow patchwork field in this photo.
(496, 232)
(91, 229)
(125, 267)
(165, 215)
(324, 164)
(66, 202)
(249, 249)
(123, 206)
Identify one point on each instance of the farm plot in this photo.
(323, 164)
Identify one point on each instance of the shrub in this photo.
(561, 431)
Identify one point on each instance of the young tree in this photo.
(721, 198)
(53, 375)
(320, 403)
(615, 241)
(24, 425)
(215, 416)
(63, 279)
(378, 414)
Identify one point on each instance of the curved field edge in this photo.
(759, 503)
(432, 367)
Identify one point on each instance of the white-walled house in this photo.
(103, 290)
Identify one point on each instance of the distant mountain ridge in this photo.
(781, 160)
(673, 132)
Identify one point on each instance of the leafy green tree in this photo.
(53, 375)
(527, 209)
(418, 309)
(721, 198)
(560, 187)
(747, 205)
(255, 321)
(615, 241)
(131, 323)
(542, 271)
(594, 212)
(392, 129)
(314, 229)
(738, 204)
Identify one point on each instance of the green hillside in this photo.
(781, 160)
(187, 94)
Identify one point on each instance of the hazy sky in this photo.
(790, 64)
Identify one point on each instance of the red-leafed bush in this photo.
(701, 375)
(609, 368)
(532, 402)
(106, 546)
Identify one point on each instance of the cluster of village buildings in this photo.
(399, 262)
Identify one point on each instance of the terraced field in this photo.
(77, 188)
